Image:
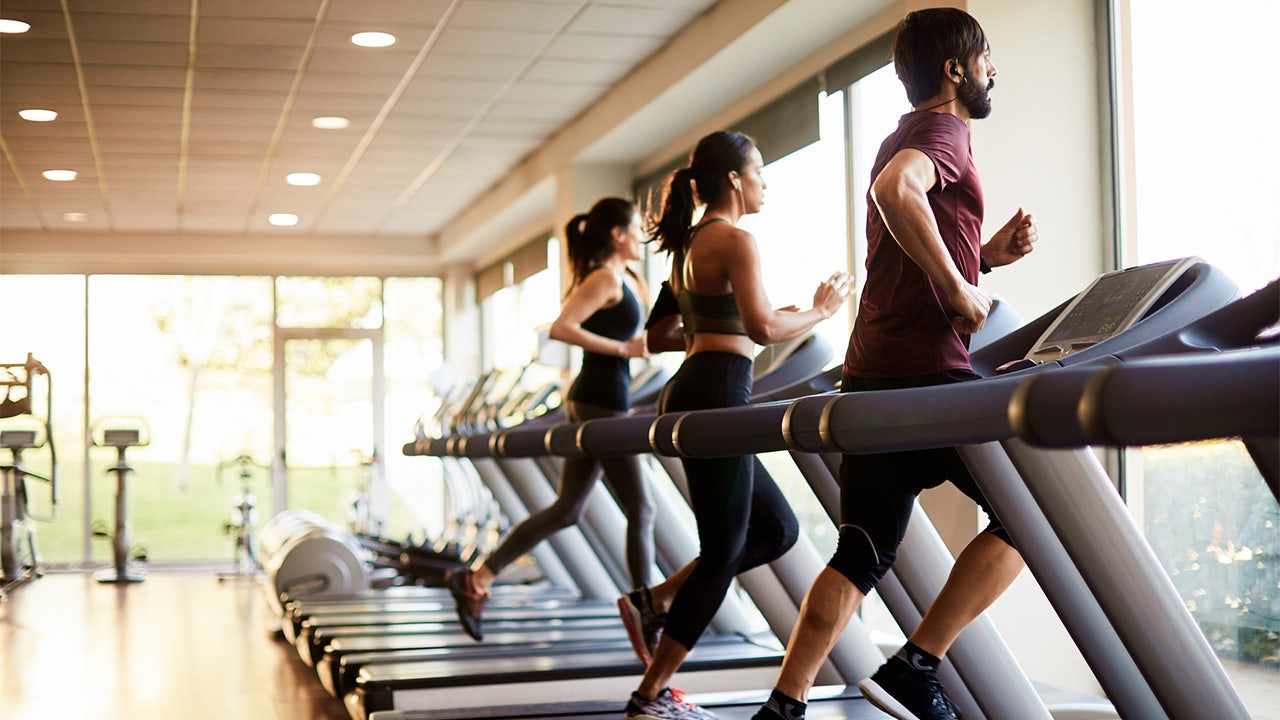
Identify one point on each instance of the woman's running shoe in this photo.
(644, 624)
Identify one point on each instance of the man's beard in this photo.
(976, 98)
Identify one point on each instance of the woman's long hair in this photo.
(589, 236)
(705, 180)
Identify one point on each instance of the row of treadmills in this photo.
(1160, 353)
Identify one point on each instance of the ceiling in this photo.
(185, 116)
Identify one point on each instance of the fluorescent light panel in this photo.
(373, 39)
(37, 115)
(330, 122)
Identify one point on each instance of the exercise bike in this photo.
(245, 560)
(127, 433)
(19, 561)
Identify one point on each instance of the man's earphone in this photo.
(955, 69)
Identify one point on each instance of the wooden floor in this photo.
(183, 645)
(179, 645)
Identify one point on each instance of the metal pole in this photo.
(1061, 582)
(1123, 573)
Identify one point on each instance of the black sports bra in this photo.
(709, 313)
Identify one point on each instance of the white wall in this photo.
(1042, 149)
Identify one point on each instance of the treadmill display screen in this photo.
(1110, 304)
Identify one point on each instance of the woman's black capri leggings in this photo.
(743, 518)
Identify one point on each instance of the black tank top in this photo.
(605, 380)
(708, 313)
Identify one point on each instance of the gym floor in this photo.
(179, 645)
(183, 645)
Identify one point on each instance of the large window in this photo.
(413, 359)
(45, 318)
(512, 316)
(1200, 181)
(1203, 175)
(802, 229)
(515, 321)
(189, 361)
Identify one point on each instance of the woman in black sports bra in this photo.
(743, 519)
(602, 315)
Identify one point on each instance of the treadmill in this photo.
(600, 438)
(723, 659)
(1060, 508)
(1157, 301)
(1227, 381)
(325, 629)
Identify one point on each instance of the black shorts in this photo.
(878, 490)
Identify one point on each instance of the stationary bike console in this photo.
(108, 432)
(121, 438)
(19, 439)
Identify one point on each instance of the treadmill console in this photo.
(1113, 302)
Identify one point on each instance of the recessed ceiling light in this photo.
(14, 26)
(59, 175)
(373, 39)
(303, 179)
(75, 216)
(37, 115)
(282, 219)
(330, 122)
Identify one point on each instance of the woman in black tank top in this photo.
(602, 315)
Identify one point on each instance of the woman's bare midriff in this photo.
(721, 342)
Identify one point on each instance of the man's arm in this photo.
(899, 193)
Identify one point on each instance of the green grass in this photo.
(175, 525)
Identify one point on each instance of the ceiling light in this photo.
(37, 115)
(75, 216)
(15, 26)
(60, 175)
(303, 179)
(330, 122)
(282, 219)
(373, 39)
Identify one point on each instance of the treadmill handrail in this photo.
(1164, 399)
(965, 413)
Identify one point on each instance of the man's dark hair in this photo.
(926, 40)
